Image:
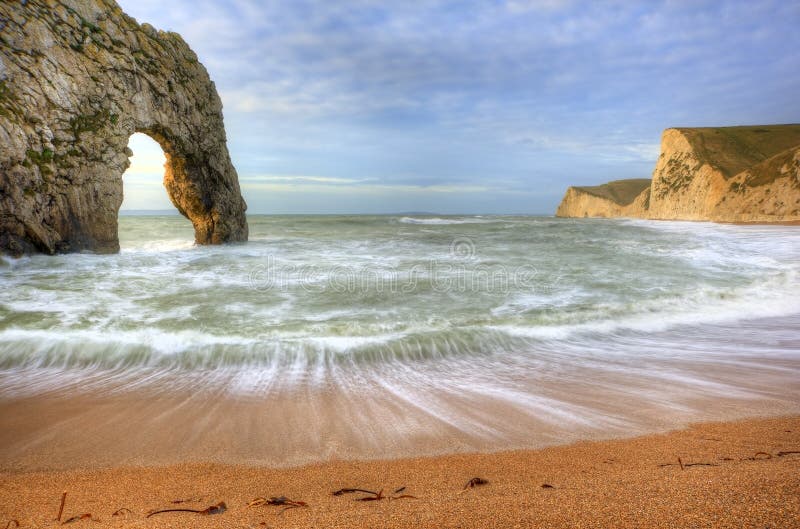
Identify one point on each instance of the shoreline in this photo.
(732, 476)
(102, 429)
(794, 222)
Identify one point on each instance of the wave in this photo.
(204, 308)
(416, 362)
(515, 328)
(434, 221)
(773, 297)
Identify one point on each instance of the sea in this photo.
(395, 335)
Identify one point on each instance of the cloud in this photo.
(301, 188)
(437, 91)
(303, 183)
(148, 157)
(521, 6)
(291, 179)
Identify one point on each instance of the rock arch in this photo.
(77, 78)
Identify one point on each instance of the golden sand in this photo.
(735, 474)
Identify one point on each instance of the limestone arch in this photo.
(76, 81)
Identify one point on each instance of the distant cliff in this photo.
(725, 174)
(620, 198)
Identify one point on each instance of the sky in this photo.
(494, 106)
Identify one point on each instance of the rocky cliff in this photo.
(77, 78)
(620, 198)
(726, 174)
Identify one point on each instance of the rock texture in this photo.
(77, 78)
(727, 174)
(620, 198)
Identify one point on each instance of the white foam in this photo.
(775, 297)
(434, 221)
(344, 344)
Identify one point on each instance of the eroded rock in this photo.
(724, 174)
(77, 78)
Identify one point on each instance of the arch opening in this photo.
(147, 213)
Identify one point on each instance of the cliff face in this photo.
(620, 198)
(77, 78)
(767, 192)
(729, 174)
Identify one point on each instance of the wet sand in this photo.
(620, 483)
(162, 424)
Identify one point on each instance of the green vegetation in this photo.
(9, 105)
(93, 28)
(145, 62)
(67, 160)
(92, 122)
(737, 187)
(622, 192)
(40, 159)
(46, 156)
(679, 174)
(734, 149)
(769, 170)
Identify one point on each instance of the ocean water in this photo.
(465, 332)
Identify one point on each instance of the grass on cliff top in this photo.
(621, 192)
(769, 170)
(734, 149)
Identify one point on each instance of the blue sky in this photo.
(368, 106)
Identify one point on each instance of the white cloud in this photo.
(300, 179)
(434, 88)
(521, 6)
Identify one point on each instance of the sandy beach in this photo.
(188, 381)
(354, 264)
(733, 474)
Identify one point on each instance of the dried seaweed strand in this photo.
(173, 510)
(756, 457)
(283, 500)
(684, 466)
(214, 509)
(350, 491)
(293, 506)
(376, 496)
(787, 452)
(61, 507)
(188, 500)
(474, 482)
(121, 511)
(85, 516)
(397, 496)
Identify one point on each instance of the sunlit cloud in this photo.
(291, 179)
(368, 189)
(143, 187)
